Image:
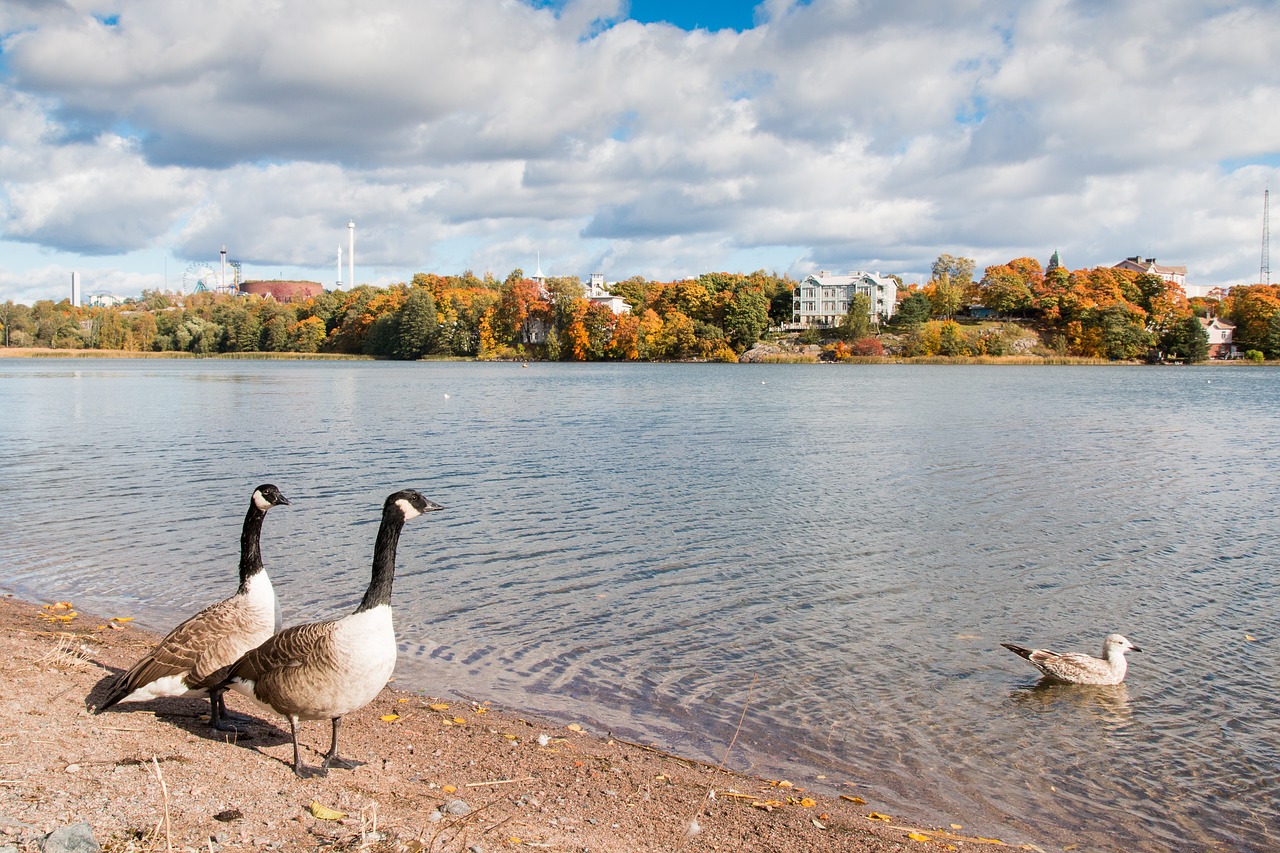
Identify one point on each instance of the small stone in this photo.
(73, 768)
(77, 838)
(435, 817)
(457, 807)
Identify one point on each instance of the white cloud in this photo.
(834, 134)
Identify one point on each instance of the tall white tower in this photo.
(351, 253)
(222, 273)
(75, 288)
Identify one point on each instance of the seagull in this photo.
(1077, 668)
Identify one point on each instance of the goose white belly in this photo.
(343, 670)
(361, 658)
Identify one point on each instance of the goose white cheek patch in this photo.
(260, 502)
(408, 509)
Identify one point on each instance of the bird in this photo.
(1077, 668)
(325, 670)
(191, 660)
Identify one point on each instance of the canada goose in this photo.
(325, 670)
(188, 661)
(1077, 668)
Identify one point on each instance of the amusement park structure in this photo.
(200, 277)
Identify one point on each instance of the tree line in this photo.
(1097, 313)
(716, 316)
(1102, 312)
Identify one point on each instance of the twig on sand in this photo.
(164, 794)
(691, 825)
(498, 782)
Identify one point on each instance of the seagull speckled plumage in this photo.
(1077, 668)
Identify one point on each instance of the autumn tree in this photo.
(1007, 289)
(946, 296)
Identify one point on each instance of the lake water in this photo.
(654, 549)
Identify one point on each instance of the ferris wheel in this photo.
(201, 276)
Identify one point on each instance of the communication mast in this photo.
(1264, 272)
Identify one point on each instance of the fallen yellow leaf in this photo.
(450, 789)
(390, 718)
(808, 803)
(857, 800)
(574, 727)
(878, 816)
(60, 605)
(438, 706)
(918, 836)
(121, 618)
(402, 700)
(1250, 639)
(324, 812)
(459, 721)
(956, 826)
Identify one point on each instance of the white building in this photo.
(1177, 275)
(823, 299)
(599, 294)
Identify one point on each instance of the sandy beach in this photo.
(430, 774)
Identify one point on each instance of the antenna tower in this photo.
(1264, 272)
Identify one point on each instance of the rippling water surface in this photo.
(652, 549)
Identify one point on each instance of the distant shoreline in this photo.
(41, 352)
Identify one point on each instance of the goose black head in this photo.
(267, 496)
(410, 504)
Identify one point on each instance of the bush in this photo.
(867, 346)
(1254, 355)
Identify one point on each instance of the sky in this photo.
(660, 139)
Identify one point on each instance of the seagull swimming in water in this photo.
(1077, 668)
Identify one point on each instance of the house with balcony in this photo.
(822, 299)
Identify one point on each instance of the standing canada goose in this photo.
(326, 670)
(189, 660)
(1077, 668)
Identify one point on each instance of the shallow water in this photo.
(652, 549)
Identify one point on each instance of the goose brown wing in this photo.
(289, 649)
(177, 654)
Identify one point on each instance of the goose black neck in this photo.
(250, 553)
(384, 560)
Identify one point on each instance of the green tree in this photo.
(418, 329)
(1271, 341)
(914, 309)
(1123, 332)
(856, 323)
(746, 316)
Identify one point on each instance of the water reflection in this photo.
(1109, 703)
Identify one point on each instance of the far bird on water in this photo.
(1077, 668)
(326, 670)
(190, 660)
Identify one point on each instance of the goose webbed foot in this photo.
(331, 758)
(223, 720)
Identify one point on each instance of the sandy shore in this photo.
(431, 775)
